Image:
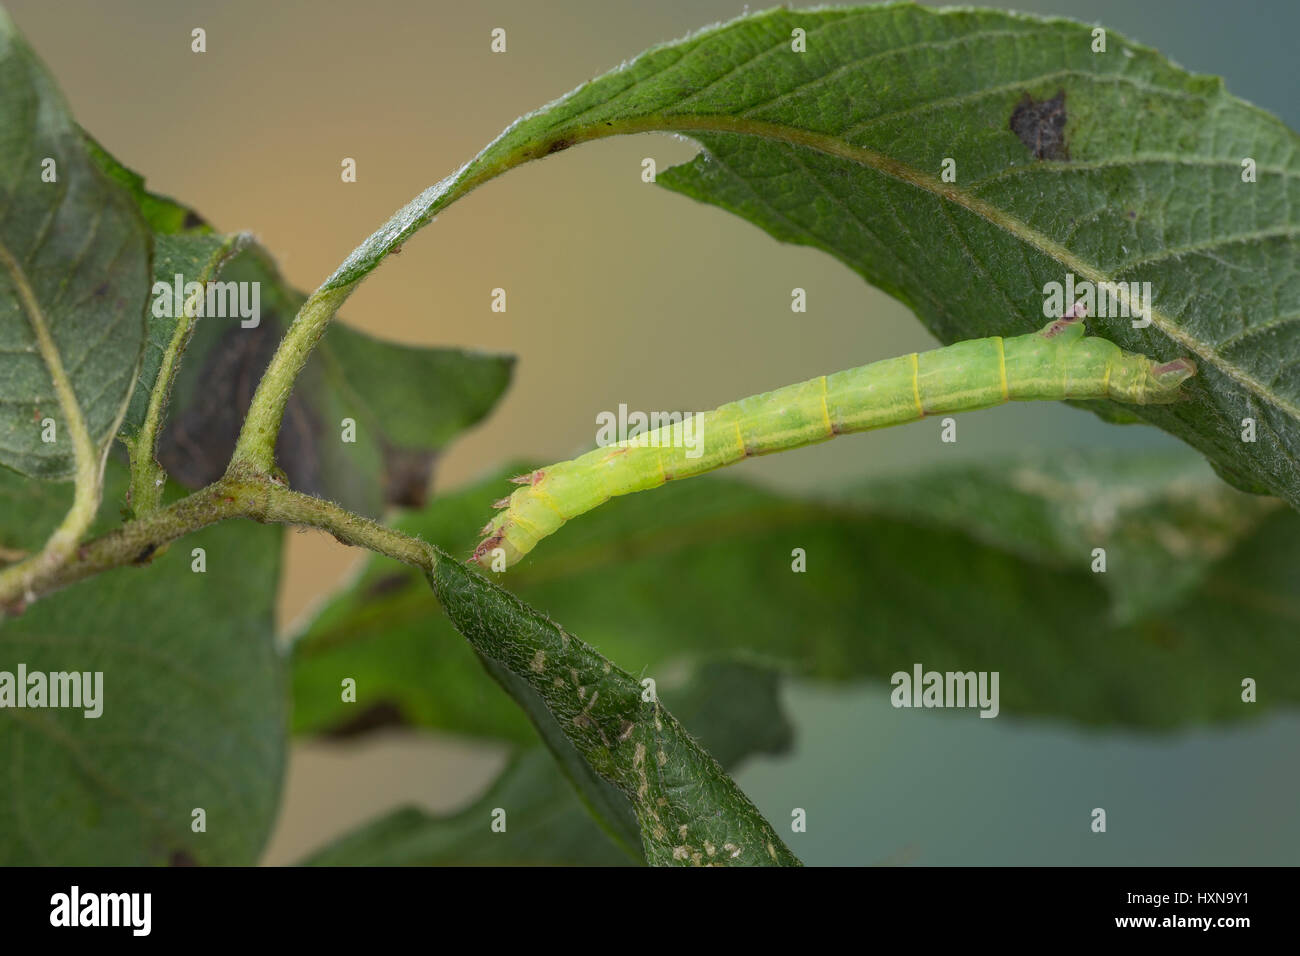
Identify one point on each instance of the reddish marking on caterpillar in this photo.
(485, 547)
(1075, 313)
(1177, 366)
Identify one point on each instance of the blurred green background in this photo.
(621, 292)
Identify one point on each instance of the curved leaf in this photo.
(689, 811)
(74, 276)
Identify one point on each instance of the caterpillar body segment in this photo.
(1056, 362)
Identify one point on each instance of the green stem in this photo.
(255, 450)
(258, 498)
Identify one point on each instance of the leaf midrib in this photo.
(83, 447)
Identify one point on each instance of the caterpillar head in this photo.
(507, 537)
(494, 541)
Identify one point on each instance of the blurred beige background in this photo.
(618, 291)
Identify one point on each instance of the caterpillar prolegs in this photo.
(1056, 362)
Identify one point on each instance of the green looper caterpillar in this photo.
(1056, 362)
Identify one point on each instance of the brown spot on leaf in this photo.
(560, 144)
(1040, 124)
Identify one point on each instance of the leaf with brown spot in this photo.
(1040, 124)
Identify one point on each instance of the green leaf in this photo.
(1162, 519)
(407, 403)
(74, 276)
(688, 809)
(606, 804)
(193, 710)
(985, 568)
(842, 147)
(734, 707)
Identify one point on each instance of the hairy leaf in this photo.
(607, 805)
(689, 811)
(74, 275)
